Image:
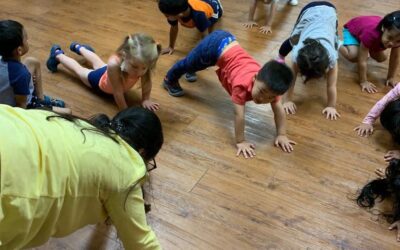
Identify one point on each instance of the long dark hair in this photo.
(139, 127)
(312, 59)
(382, 189)
(390, 119)
(390, 21)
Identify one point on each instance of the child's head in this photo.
(139, 127)
(273, 79)
(173, 7)
(382, 188)
(390, 28)
(312, 59)
(13, 39)
(139, 53)
(390, 119)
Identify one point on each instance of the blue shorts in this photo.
(349, 39)
(94, 77)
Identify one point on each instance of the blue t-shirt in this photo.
(15, 79)
(200, 18)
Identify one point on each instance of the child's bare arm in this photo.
(115, 78)
(21, 101)
(34, 68)
(146, 90)
(252, 10)
(267, 28)
(173, 34)
(330, 110)
(242, 146)
(288, 104)
(393, 66)
(362, 70)
(281, 139)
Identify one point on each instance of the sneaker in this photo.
(75, 47)
(173, 89)
(52, 61)
(191, 77)
(52, 102)
(293, 2)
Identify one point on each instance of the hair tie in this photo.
(117, 126)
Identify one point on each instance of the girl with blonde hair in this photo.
(134, 59)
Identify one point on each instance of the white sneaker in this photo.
(293, 2)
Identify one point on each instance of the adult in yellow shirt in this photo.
(60, 173)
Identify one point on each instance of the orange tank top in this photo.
(127, 82)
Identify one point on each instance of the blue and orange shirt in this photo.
(203, 14)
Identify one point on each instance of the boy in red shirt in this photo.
(244, 80)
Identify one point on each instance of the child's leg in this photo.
(379, 56)
(33, 66)
(350, 46)
(92, 57)
(349, 52)
(75, 67)
(204, 55)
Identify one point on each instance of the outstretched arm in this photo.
(281, 139)
(250, 22)
(243, 147)
(330, 110)
(173, 34)
(366, 127)
(126, 211)
(115, 78)
(288, 104)
(267, 28)
(362, 70)
(146, 90)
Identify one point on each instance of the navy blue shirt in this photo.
(15, 79)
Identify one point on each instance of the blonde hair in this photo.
(141, 47)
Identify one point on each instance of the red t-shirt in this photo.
(236, 73)
(237, 70)
(364, 28)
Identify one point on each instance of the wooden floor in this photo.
(203, 196)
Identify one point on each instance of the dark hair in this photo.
(390, 119)
(11, 37)
(173, 7)
(313, 59)
(390, 21)
(277, 76)
(139, 127)
(383, 188)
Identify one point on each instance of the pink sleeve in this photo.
(377, 109)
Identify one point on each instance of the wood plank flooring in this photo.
(203, 196)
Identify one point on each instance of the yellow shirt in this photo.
(52, 182)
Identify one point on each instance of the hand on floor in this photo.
(364, 129)
(249, 24)
(265, 29)
(368, 87)
(284, 143)
(150, 105)
(246, 148)
(331, 113)
(290, 107)
(393, 154)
